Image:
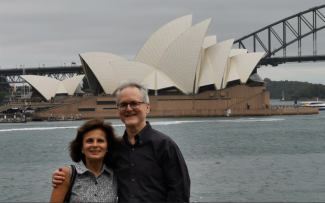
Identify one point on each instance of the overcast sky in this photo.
(55, 32)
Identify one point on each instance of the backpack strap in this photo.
(72, 180)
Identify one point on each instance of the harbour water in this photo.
(250, 159)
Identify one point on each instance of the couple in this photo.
(149, 166)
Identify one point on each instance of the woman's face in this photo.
(94, 145)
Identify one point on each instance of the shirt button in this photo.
(133, 180)
(132, 195)
(96, 183)
(133, 149)
(95, 195)
(132, 164)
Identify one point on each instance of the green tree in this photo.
(294, 89)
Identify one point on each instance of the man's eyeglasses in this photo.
(133, 105)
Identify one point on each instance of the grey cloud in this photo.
(52, 32)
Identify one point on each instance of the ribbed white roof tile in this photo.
(126, 70)
(218, 56)
(209, 41)
(61, 89)
(71, 84)
(44, 85)
(231, 74)
(154, 48)
(49, 87)
(180, 60)
(157, 80)
(234, 52)
(99, 63)
(150, 80)
(163, 81)
(245, 64)
(206, 76)
(200, 64)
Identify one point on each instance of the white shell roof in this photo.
(205, 76)
(234, 52)
(61, 89)
(209, 41)
(157, 80)
(175, 55)
(219, 56)
(151, 79)
(99, 63)
(154, 48)
(245, 64)
(163, 81)
(199, 65)
(215, 63)
(231, 73)
(71, 84)
(180, 59)
(44, 85)
(241, 66)
(126, 70)
(49, 87)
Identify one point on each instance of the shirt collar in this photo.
(142, 136)
(81, 168)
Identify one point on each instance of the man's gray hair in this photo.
(142, 88)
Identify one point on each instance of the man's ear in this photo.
(147, 108)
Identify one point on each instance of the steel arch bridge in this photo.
(281, 39)
(59, 73)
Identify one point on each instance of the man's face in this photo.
(133, 117)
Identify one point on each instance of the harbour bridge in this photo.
(312, 19)
(312, 25)
(59, 73)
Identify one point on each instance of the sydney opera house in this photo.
(187, 73)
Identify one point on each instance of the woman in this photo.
(94, 149)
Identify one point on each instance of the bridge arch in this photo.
(267, 46)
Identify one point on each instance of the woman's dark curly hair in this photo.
(113, 142)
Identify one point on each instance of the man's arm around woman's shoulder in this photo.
(61, 189)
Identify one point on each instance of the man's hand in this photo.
(58, 178)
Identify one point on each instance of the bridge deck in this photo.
(40, 71)
(275, 61)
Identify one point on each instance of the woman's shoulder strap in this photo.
(72, 180)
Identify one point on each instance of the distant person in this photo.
(150, 167)
(94, 150)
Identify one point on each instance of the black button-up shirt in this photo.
(151, 170)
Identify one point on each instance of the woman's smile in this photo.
(94, 145)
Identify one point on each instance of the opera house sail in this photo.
(187, 73)
(177, 55)
(49, 88)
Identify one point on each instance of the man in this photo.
(150, 166)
